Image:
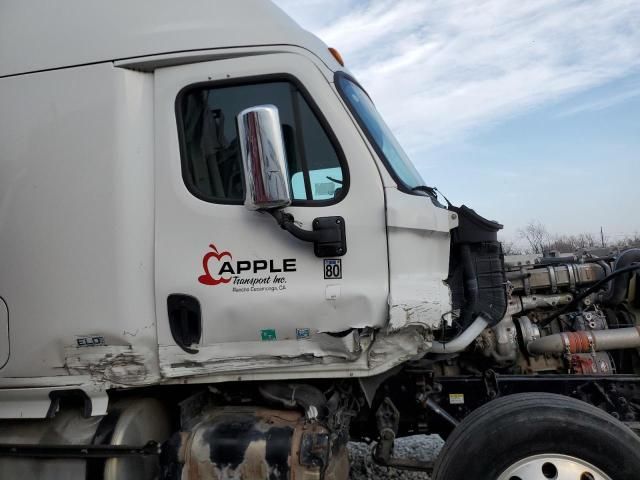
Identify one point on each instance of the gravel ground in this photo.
(421, 447)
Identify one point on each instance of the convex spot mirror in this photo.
(263, 158)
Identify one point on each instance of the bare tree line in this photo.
(535, 238)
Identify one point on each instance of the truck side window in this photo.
(212, 166)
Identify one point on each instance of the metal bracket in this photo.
(491, 384)
(328, 236)
(78, 451)
(553, 278)
(333, 237)
(388, 420)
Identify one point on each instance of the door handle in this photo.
(185, 320)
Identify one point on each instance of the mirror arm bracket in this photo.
(328, 235)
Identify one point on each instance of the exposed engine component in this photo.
(565, 314)
(555, 278)
(586, 341)
(528, 330)
(525, 303)
(499, 342)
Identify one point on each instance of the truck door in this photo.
(234, 291)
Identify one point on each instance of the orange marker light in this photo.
(336, 55)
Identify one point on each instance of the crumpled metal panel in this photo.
(419, 296)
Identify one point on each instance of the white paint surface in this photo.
(43, 35)
(97, 227)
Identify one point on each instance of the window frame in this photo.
(256, 80)
(402, 186)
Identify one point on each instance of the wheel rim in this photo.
(553, 467)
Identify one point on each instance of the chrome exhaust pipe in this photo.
(586, 341)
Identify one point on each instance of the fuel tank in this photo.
(245, 443)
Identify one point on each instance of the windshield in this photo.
(379, 133)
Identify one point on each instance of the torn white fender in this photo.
(419, 295)
(418, 312)
(397, 347)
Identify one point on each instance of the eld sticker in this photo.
(303, 333)
(332, 268)
(90, 341)
(456, 398)
(268, 334)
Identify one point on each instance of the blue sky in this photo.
(522, 110)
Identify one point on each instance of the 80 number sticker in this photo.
(332, 268)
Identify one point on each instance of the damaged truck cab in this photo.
(216, 261)
(127, 192)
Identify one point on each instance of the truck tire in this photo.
(539, 436)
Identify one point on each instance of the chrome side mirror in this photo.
(264, 162)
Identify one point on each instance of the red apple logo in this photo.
(207, 278)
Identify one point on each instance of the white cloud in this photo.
(441, 69)
(602, 103)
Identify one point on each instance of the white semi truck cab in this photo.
(216, 261)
